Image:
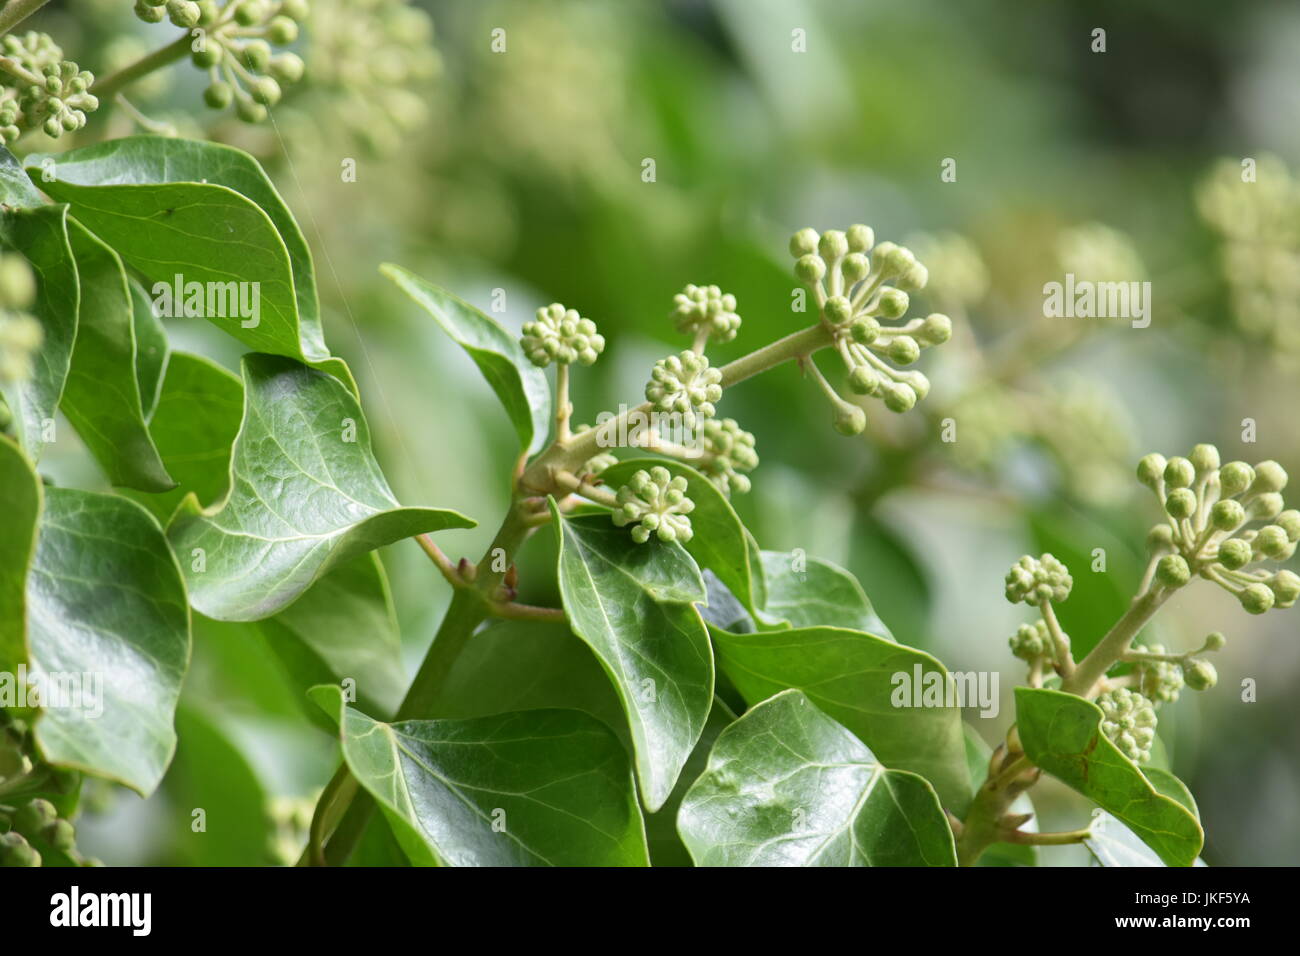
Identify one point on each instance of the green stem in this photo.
(1112, 647)
(156, 60)
(16, 11)
(983, 824)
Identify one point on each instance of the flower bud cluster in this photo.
(859, 286)
(1040, 580)
(706, 312)
(1032, 642)
(654, 502)
(1129, 721)
(685, 385)
(39, 89)
(728, 454)
(1209, 507)
(561, 335)
(233, 42)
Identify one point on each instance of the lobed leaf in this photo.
(305, 495)
(786, 785)
(22, 494)
(818, 593)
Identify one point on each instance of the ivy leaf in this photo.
(519, 384)
(41, 234)
(1062, 734)
(538, 787)
(1113, 844)
(106, 606)
(151, 160)
(787, 786)
(819, 593)
(720, 542)
(666, 846)
(151, 349)
(205, 233)
(21, 492)
(102, 394)
(306, 495)
(344, 626)
(194, 424)
(867, 683)
(633, 605)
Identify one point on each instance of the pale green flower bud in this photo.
(561, 335)
(850, 419)
(1235, 554)
(1181, 503)
(1265, 507)
(914, 278)
(183, 13)
(282, 31)
(288, 68)
(1215, 641)
(148, 12)
(706, 308)
(1290, 521)
(256, 55)
(1200, 675)
(1034, 580)
(1160, 681)
(860, 238)
(1205, 458)
(265, 90)
(899, 397)
(810, 268)
(1179, 473)
(804, 242)
(1256, 598)
(1151, 469)
(904, 350)
(1235, 477)
(685, 384)
(856, 267)
(1160, 538)
(833, 244)
(218, 95)
(17, 284)
(1285, 586)
(917, 382)
(1226, 514)
(211, 54)
(297, 9)
(249, 111)
(654, 502)
(1031, 641)
(1129, 722)
(893, 304)
(936, 329)
(864, 330)
(1172, 571)
(1272, 541)
(864, 380)
(838, 310)
(1269, 477)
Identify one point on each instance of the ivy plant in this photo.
(693, 698)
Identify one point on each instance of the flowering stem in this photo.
(163, 56)
(1112, 647)
(1064, 659)
(563, 410)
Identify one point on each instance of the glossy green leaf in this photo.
(203, 232)
(102, 395)
(519, 384)
(788, 786)
(807, 592)
(1062, 734)
(532, 788)
(633, 605)
(41, 234)
(151, 349)
(21, 492)
(306, 495)
(343, 627)
(194, 424)
(150, 160)
(720, 542)
(1113, 844)
(867, 683)
(528, 665)
(106, 605)
(666, 846)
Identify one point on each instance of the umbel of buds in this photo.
(1036, 581)
(561, 335)
(1160, 681)
(233, 43)
(20, 333)
(861, 286)
(685, 385)
(706, 312)
(1129, 721)
(654, 502)
(41, 90)
(1032, 641)
(1209, 510)
(728, 452)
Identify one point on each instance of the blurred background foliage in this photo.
(522, 171)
